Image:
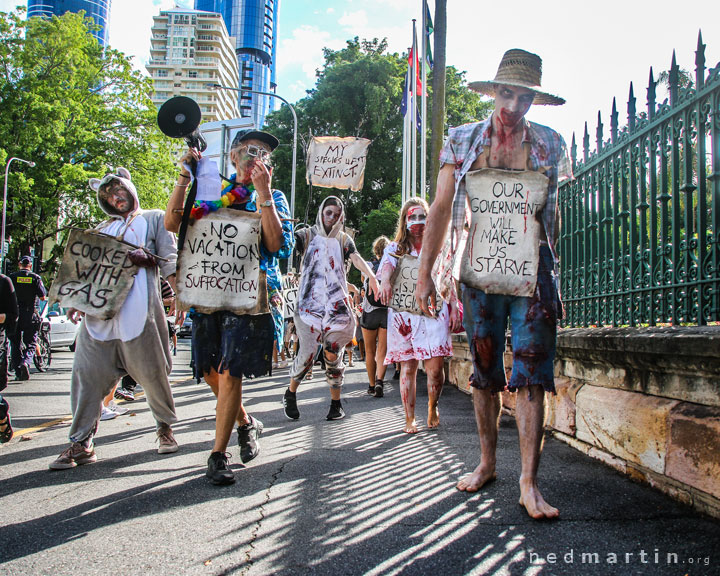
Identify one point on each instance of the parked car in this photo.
(62, 331)
(185, 331)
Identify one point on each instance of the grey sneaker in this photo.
(248, 439)
(75, 455)
(166, 441)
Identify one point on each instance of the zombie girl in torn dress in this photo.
(413, 337)
(324, 315)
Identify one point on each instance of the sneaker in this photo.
(166, 441)
(379, 389)
(248, 439)
(218, 470)
(107, 413)
(22, 372)
(336, 410)
(6, 433)
(309, 376)
(75, 455)
(371, 390)
(125, 394)
(290, 403)
(119, 410)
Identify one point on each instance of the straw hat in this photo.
(522, 69)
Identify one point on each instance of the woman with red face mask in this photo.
(411, 337)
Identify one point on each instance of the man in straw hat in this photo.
(498, 183)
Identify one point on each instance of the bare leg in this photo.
(435, 370)
(487, 416)
(530, 417)
(110, 396)
(380, 354)
(408, 376)
(214, 380)
(334, 391)
(369, 337)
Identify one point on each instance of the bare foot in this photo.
(410, 426)
(433, 415)
(534, 503)
(479, 477)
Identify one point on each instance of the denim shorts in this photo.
(533, 324)
(226, 341)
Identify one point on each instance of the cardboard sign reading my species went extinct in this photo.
(219, 265)
(405, 280)
(95, 275)
(503, 246)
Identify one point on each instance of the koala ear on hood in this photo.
(94, 184)
(124, 172)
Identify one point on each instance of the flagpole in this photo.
(413, 81)
(405, 149)
(423, 109)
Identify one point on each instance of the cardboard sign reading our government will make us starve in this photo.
(95, 275)
(219, 265)
(404, 282)
(503, 245)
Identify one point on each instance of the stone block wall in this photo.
(645, 401)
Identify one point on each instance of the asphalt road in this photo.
(355, 496)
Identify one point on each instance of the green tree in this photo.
(358, 93)
(75, 109)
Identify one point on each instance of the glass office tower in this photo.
(98, 10)
(253, 24)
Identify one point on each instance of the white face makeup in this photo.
(330, 216)
(512, 103)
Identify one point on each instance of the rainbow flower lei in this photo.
(234, 193)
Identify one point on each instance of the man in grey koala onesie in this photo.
(135, 341)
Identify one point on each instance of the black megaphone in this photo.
(180, 117)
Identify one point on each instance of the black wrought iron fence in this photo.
(640, 241)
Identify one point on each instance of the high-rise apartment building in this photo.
(189, 50)
(98, 10)
(253, 24)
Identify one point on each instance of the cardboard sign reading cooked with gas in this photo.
(404, 285)
(503, 246)
(219, 265)
(95, 275)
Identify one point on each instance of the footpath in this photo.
(356, 496)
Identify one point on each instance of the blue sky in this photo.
(591, 52)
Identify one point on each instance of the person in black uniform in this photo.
(8, 318)
(28, 287)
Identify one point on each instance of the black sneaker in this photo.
(371, 390)
(336, 410)
(125, 394)
(218, 470)
(248, 439)
(22, 372)
(6, 432)
(379, 389)
(290, 403)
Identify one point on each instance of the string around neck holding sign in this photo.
(233, 193)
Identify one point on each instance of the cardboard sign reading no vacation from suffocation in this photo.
(219, 265)
(404, 282)
(503, 246)
(337, 162)
(95, 275)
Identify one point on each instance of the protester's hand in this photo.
(455, 317)
(424, 291)
(191, 155)
(261, 179)
(385, 292)
(74, 315)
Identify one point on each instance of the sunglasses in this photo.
(257, 152)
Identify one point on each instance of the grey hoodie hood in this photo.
(337, 227)
(122, 175)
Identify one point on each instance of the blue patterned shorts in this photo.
(533, 323)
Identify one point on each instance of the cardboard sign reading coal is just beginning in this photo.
(503, 246)
(95, 275)
(405, 280)
(219, 265)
